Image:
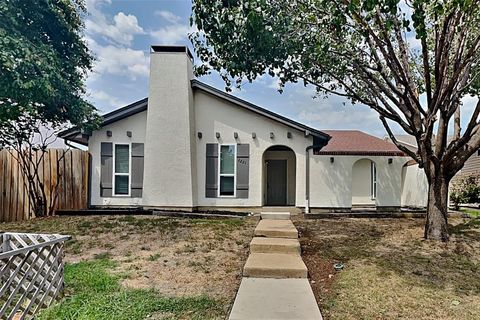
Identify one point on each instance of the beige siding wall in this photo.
(215, 115)
(135, 124)
(414, 187)
(472, 165)
(331, 183)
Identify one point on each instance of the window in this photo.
(373, 180)
(121, 172)
(227, 170)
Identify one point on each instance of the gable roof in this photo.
(75, 135)
(259, 110)
(354, 142)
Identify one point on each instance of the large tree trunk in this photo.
(436, 227)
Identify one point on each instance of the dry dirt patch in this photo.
(390, 271)
(176, 256)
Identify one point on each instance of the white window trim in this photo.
(129, 174)
(234, 175)
(373, 182)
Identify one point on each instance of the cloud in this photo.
(105, 101)
(332, 112)
(120, 30)
(168, 16)
(119, 61)
(173, 33)
(275, 84)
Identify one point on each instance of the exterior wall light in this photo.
(217, 134)
(129, 134)
(289, 135)
(390, 160)
(332, 159)
(254, 135)
(109, 133)
(235, 135)
(199, 135)
(272, 135)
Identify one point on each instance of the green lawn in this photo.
(474, 213)
(93, 292)
(137, 267)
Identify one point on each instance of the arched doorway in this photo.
(279, 176)
(364, 183)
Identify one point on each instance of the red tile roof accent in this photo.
(354, 142)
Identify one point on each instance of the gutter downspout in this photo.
(307, 173)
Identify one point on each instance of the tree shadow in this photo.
(339, 240)
(469, 230)
(396, 246)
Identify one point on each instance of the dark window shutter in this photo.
(243, 155)
(106, 169)
(211, 173)
(137, 170)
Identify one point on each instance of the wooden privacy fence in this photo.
(66, 171)
(31, 272)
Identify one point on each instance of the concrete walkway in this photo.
(275, 284)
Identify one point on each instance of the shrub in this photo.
(465, 190)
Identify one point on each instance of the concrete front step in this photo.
(275, 265)
(275, 245)
(276, 229)
(275, 215)
(279, 299)
(292, 210)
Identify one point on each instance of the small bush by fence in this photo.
(31, 272)
(63, 172)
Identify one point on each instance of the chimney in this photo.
(170, 172)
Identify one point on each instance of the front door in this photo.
(276, 182)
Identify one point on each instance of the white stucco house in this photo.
(189, 146)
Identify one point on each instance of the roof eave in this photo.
(362, 153)
(111, 117)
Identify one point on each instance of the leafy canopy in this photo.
(412, 61)
(43, 63)
(323, 41)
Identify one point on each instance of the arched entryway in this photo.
(279, 176)
(364, 183)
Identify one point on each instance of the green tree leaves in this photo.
(43, 62)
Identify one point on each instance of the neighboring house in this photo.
(193, 147)
(471, 166)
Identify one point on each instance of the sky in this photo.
(120, 33)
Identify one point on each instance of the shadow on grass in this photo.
(430, 266)
(339, 239)
(395, 245)
(469, 229)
